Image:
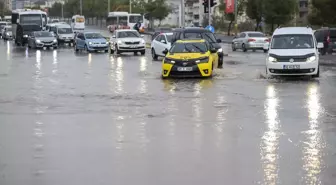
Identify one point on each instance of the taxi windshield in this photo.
(189, 47)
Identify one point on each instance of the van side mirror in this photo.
(320, 45)
(165, 51)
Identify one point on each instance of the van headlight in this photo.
(202, 60)
(272, 59)
(168, 61)
(311, 59)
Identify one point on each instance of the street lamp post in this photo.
(108, 6)
(130, 6)
(62, 2)
(182, 13)
(81, 7)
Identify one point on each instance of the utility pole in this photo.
(81, 7)
(108, 6)
(236, 16)
(209, 12)
(182, 13)
(130, 6)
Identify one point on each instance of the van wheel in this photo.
(318, 73)
(244, 48)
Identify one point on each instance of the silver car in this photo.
(42, 39)
(7, 33)
(250, 41)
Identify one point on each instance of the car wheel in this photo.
(116, 50)
(111, 51)
(86, 49)
(244, 48)
(233, 47)
(76, 49)
(106, 51)
(143, 52)
(317, 74)
(135, 53)
(154, 56)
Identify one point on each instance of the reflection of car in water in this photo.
(189, 58)
(41, 39)
(7, 33)
(172, 84)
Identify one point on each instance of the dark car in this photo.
(200, 33)
(157, 31)
(328, 37)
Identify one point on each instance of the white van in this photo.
(293, 51)
(78, 23)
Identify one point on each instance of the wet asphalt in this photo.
(100, 119)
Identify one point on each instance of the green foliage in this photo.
(157, 9)
(254, 10)
(323, 13)
(3, 10)
(56, 10)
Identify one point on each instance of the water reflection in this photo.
(312, 155)
(219, 103)
(120, 132)
(8, 50)
(197, 114)
(270, 139)
(55, 62)
(119, 76)
(143, 82)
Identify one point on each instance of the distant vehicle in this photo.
(26, 21)
(41, 39)
(7, 18)
(328, 37)
(78, 23)
(123, 20)
(7, 33)
(250, 41)
(293, 51)
(127, 41)
(91, 41)
(189, 58)
(161, 43)
(157, 31)
(200, 33)
(63, 33)
(2, 26)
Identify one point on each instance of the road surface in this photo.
(84, 119)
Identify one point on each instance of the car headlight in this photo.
(55, 40)
(38, 41)
(90, 43)
(143, 42)
(107, 43)
(202, 60)
(168, 61)
(311, 59)
(220, 50)
(119, 42)
(25, 36)
(272, 59)
(7, 34)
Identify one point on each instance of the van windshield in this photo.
(297, 41)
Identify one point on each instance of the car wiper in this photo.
(198, 48)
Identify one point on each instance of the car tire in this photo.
(233, 47)
(154, 56)
(244, 48)
(111, 51)
(143, 52)
(220, 62)
(116, 50)
(135, 53)
(76, 49)
(318, 73)
(86, 49)
(106, 51)
(265, 50)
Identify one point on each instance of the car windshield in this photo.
(126, 34)
(93, 36)
(299, 41)
(256, 35)
(64, 30)
(169, 38)
(189, 47)
(206, 36)
(43, 34)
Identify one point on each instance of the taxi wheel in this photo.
(244, 48)
(154, 56)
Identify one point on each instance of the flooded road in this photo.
(84, 119)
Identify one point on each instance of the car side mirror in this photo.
(213, 50)
(113, 36)
(219, 40)
(320, 45)
(165, 51)
(163, 41)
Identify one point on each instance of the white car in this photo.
(127, 41)
(293, 51)
(250, 41)
(160, 43)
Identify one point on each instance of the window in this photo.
(64, 30)
(189, 47)
(256, 35)
(193, 35)
(169, 38)
(296, 41)
(159, 38)
(242, 35)
(31, 19)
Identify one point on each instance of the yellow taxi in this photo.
(189, 58)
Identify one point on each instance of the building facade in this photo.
(8, 4)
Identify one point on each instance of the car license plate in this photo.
(133, 46)
(67, 40)
(184, 69)
(291, 66)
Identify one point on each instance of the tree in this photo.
(231, 16)
(323, 12)
(56, 10)
(254, 10)
(279, 12)
(156, 10)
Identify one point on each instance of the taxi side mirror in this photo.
(213, 50)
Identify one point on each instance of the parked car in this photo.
(127, 41)
(2, 26)
(293, 51)
(160, 43)
(41, 39)
(250, 41)
(328, 37)
(7, 33)
(200, 33)
(91, 41)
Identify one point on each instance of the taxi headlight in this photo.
(202, 60)
(220, 50)
(272, 59)
(168, 61)
(311, 59)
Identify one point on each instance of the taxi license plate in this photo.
(291, 66)
(184, 69)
